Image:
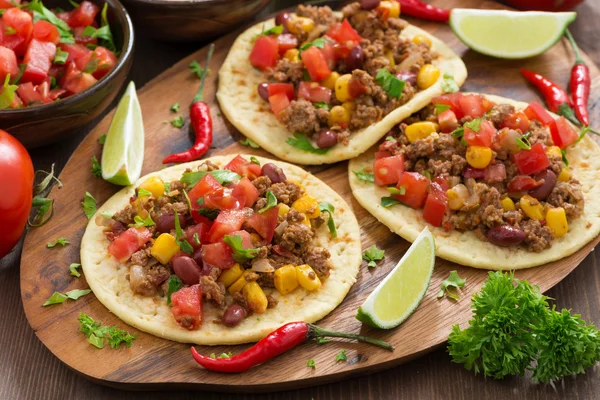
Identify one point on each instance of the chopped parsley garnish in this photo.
(73, 269)
(103, 33)
(474, 125)
(96, 167)
(141, 192)
(180, 237)
(392, 85)
(175, 107)
(523, 143)
(440, 108)
(210, 213)
(373, 254)
(102, 139)
(391, 139)
(271, 202)
(250, 143)
(96, 333)
(254, 160)
(583, 132)
(60, 57)
(89, 205)
(41, 13)
(223, 176)
(449, 85)
(197, 69)
(240, 254)
(58, 298)
(458, 133)
(329, 208)
(174, 284)
(197, 239)
(167, 186)
(399, 191)
(564, 157)
(301, 142)
(453, 281)
(7, 95)
(322, 104)
(177, 122)
(140, 222)
(276, 30)
(341, 356)
(62, 241)
(311, 364)
(388, 201)
(45, 206)
(318, 43)
(364, 176)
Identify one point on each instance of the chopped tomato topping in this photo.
(8, 63)
(245, 189)
(128, 242)
(223, 199)
(521, 183)
(415, 186)
(46, 32)
(564, 134)
(38, 60)
(388, 170)
(435, 205)
(243, 167)
(483, 137)
(226, 222)
(278, 103)
(314, 92)
(517, 120)
(447, 121)
(286, 88)
(264, 224)
(207, 184)
(217, 255)
(471, 105)
(187, 307)
(286, 41)
(22, 25)
(76, 81)
(264, 53)
(316, 64)
(83, 15)
(531, 161)
(537, 112)
(200, 231)
(343, 33)
(453, 101)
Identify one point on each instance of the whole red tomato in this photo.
(16, 181)
(544, 5)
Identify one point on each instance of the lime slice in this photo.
(394, 299)
(123, 153)
(509, 34)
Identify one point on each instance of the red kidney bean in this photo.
(542, 192)
(234, 314)
(506, 235)
(187, 269)
(166, 222)
(355, 59)
(263, 91)
(275, 174)
(407, 76)
(369, 4)
(326, 139)
(282, 18)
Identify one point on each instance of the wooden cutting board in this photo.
(154, 363)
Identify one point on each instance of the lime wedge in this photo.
(123, 153)
(394, 299)
(509, 34)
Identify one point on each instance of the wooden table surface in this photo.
(30, 371)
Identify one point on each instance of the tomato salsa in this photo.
(48, 55)
(231, 236)
(326, 77)
(472, 165)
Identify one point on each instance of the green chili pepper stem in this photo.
(578, 59)
(198, 96)
(320, 332)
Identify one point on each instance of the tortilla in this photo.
(252, 116)
(464, 247)
(107, 278)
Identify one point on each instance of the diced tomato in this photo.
(243, 167)
(314, 92)
(64, 15)
(521, 183)
(474, 173)
(247, 190)
(223, 199)
(286, 88)
(29, 94)
(207, 184)
(355, 88)
(8, 64)
(388, 170)
(44, 89)
(343, 33)
(22, 24)
(9, 3)
(539, 113)
(56, 94)
(495, 173)
(265, 223)
(128, 243)
(342, 50)
(217, 255)
(483, 137)
(315, 64)
(199, 230)
(84, 14)
(531, 161)
(471, 105)
(76, 81)
(447, 121)
(246, 238)
(286, 41)
(80, 38)
(328, 52)
(435, 205)
(453, 101)
(98, 62)
(187, 307)
(382, 154)
(415, 186)
(75, 51)
(264, 53)
(487, 104)
(442, 181)
(516, 120)
(278, 103)
(17, 102)
(46, 32)
(38, 59)
(564, 134)
(226, 222)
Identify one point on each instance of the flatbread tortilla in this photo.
(464, 247)
(252, 116)
(107, 277)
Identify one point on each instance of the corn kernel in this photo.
(306, 221)
(307, 205)
(455, 201)
(285, 279)
(556, 220)
(307, 278)
(479, 156)
(292, 55)
(507, 204)
(255, 297)
(428, 75)
(339, 116)
(238, 284)
(389, 9)
(255, 238)
(300, 24)
(283, 209)
(554, 151)
(139, 206)
(532, 207)
(154, 185)
(329, 82)
(342, 88)
(164, 248)
(421, 39)
(390, 56)
(565, 175)
(300, 185)
(420, 130)
(229, 276)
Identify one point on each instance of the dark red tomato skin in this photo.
(539, 113)
(315, 64)
(81, 39)
(217, 255)
(76, 81)
(562, 133)
(226, 222)
(83, 15)
(532, 161)
(286, 41)
(522, 183)
(471, 105)
(30, 94)
(201, 230)
(435, 205)
(204, 186)
(187, 307)
(314, 92)
(22, 23)
(343, 33)
(264, 53)
(415, 186)
(8, 64)
(388, 170)
(517, 120)
(106, 61)
(243, 167)
(265, 223)
(286, 88)
(453, 101)
(223, 199)
(46, 32)
(16, 177)
(447, 121)
(128, 243)
(484, 137)
(75, 51)
(38, 59)
(247, 190)
(278, 103)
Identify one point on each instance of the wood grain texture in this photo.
(33, 372)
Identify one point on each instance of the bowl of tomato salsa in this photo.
(62, 63)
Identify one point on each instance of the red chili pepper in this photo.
(418, 9)
(201, 123)
(554, 95)
(281, 340)
(580, 84)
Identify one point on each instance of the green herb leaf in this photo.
(311, 364)
(141, 192)
(389, 201)
(56, 298)
(73, 269)
(167, 186)
(250, 143)
(564, 157)
(140, 222)
(254, 160)
(174, 284)
(177, 122)
(341, 356)
(7, 95)
(306, 76)
(301, 142)
(329, 208)
(399, 191)
(240, 254)
(223, 176)
(440, 108)
(392, 85)
(210, 213)
(453, 281)
(364, 176)
(197, 69)
(96, 333)
(391, 139)
(60, 57)
(103, 33)
(197, 239)
(271, 202)
(474, 125)
(62, 241)
(373, 254)
(276, 30)
(41, 13)
(180, 237)
(102, 139)
(319, 43)
(77, 293)
(96, 341)
(89, 205)
(449, 85)
(523, 143)
(96, 167)
(458, 133)
(322, 104)
(107, 215)
(322, 340)
(175, 107)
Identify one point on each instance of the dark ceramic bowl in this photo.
(40, 125)
(191, 20)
